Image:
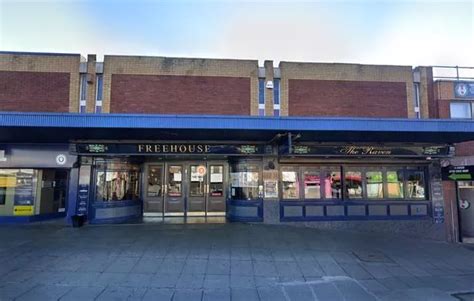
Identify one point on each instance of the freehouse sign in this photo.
(168, 148)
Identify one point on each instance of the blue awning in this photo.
(61, 127)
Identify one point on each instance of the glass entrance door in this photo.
(174, 200)
(216, 194)
(153, 196)
(192, 188)
(197, 189)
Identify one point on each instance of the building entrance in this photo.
(185, 188)
(466, 210)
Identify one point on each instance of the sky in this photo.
(369, 32)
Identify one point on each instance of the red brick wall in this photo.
(347, 98)
(180, 94)
(34, 91)
(443, 109)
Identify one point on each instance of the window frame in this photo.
(242, 166)
(470, 104)
(103, 166)
(83, 93)
(99, 100)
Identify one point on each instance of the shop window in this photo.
(312, 184)
(117, 186)
(374, 184)
(332, 185)
(290, 183)
(196, 187)
(245, 182)
(395, 184)
(175, 180)
(415, 184)
(216, 179)
(460, 110)
(155, 181)
(353, 183)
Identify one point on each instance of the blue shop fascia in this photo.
(271, 170)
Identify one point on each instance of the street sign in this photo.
(458, 173)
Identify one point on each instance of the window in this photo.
(245, 182)
(117, 186)
(374, 184)
(415, 184)
(98, 97)
(216, 179)
(312, 184)
(332, 185)
(196, 187)
(18, 186)
(155, 181)
(276, 97)
(460, 110)
(261, 97)
(83, 93)
(395, 184)
(290, 183)
(353, 182)
(175, 180)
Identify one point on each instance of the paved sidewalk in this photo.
(225, 262)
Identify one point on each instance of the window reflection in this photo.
(198, 172)
(395, 184)
(245, 182)
(415, 184)
(332, 185)
(155, 184)
(353, 182)
(175, 179)
(312, 185)
(290, 183)
(374, 184)
(117, 185)
(216, 179)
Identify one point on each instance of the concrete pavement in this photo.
(225, 262)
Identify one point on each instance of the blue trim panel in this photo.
(115, 204)
(347, 204)
(30, 219)
(245, 203)
(149, 121)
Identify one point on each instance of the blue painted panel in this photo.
(258, 204)
(114, 212)
(349, 204)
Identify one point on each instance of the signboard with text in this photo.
(169, 148)
(367, 151)
(458, 173)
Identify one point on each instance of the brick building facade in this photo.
(294, 163)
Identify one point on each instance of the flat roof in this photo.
(61, 127)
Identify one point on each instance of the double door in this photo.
(195, 188)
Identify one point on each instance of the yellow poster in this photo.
(23, 210)
(6, 181)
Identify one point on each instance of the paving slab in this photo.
(226, 262)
